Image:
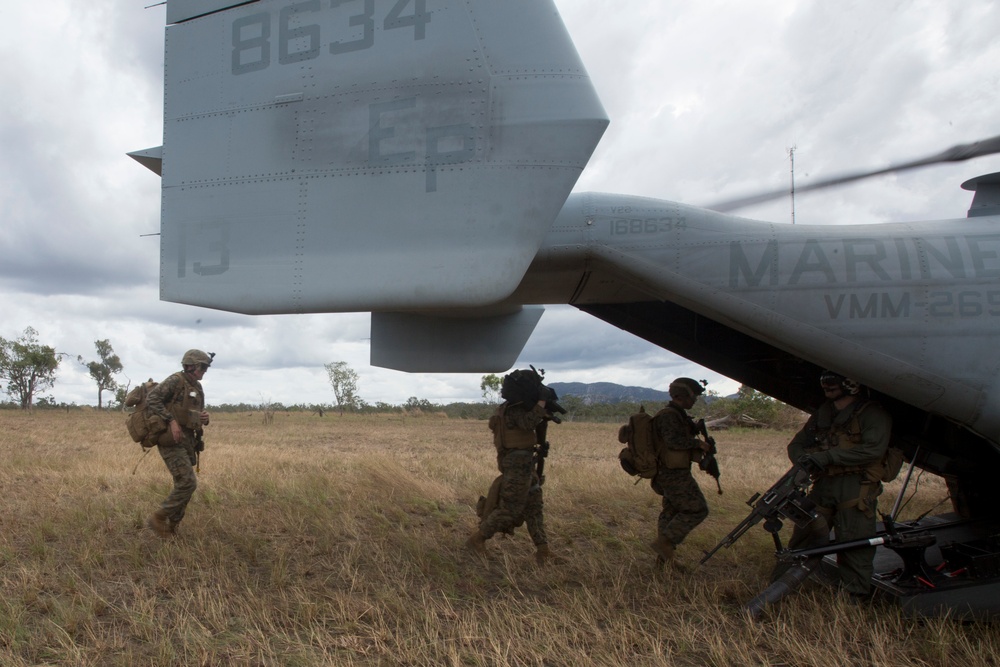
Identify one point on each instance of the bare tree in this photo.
(267, 407)
(344, 381)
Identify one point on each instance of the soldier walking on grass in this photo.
(516, 495)
(684, 505)
(178, 405)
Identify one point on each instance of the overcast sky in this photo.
(705, 100)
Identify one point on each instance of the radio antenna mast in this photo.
(791, 157)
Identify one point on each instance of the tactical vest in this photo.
(186, 408)
(505, 437)
(678, 459)
(845, 436)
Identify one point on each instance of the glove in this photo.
(809, 463)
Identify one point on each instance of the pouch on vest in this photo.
(679, 459)
(489, 502)
(892, 463)
(639, 454)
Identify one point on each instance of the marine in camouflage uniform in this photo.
(843, 445)
(684, 505)
(520, 494)
(179, 401)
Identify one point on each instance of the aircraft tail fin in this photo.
(366, 156)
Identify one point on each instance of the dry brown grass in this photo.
(338, 541)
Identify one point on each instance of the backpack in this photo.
(521, 386)
(490, 502)
(639, 454)
(137, 422)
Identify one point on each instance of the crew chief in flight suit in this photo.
(843, 447)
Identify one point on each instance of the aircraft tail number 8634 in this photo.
(257, 38)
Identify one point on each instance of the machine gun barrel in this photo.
(734, 535)
(922, 538)
(785, 499)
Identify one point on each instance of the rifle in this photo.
(786, 499)
(199, 435)
(708, 462)
(548, 394)
(542, 448)
(199, 447)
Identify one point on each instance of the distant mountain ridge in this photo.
(608, 392)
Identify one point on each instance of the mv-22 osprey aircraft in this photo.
(415, 159)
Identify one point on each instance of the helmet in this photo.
(195, 357)
(686, 387)
(847, 385)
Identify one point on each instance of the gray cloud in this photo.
(705, 99)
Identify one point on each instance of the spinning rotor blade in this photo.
(958, 153)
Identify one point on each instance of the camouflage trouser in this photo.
(520, 499)
(684, 506)
(180, 462)
(848, 523)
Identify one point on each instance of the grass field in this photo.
(339, 541)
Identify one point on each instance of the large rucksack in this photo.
(490, 502)
(639, 454)
(137, 422)
(521, 386)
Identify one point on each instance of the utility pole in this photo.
(791, 157)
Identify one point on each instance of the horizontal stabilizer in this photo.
(427, 343)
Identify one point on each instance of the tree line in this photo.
(748, 406)
(27, 368)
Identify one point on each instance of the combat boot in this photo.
(545, 557)
(663, 548)
(477, 543)
(159, 523)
